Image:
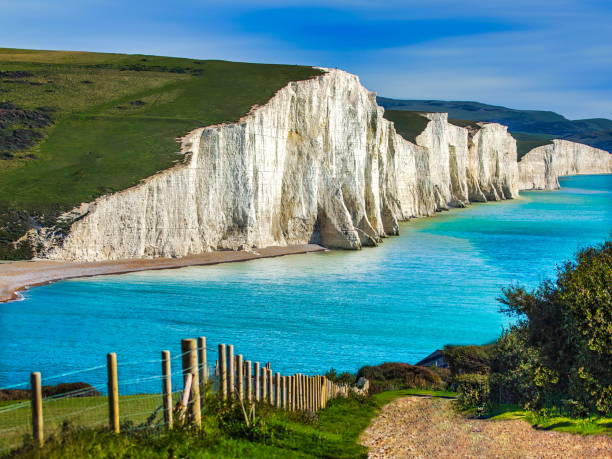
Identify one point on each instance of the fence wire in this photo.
(141, 402)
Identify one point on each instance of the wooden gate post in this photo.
(189, 349)
(222, 371)
(113, 392)
(37, 409)
(167, 389)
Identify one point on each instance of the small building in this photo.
(435, 359)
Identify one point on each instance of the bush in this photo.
(342, 378)
(567, 326)
(473, 391)
(468, 359)
(395, 375)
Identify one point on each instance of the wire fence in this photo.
(166, 391)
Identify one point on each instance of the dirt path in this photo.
(418, 427)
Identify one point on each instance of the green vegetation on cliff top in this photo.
(115, 118)
(76, 125)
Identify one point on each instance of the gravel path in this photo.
(421, 427)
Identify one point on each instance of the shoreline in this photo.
(18, 276)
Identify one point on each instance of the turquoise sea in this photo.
(435, 284)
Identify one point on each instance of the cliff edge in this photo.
(317, 164)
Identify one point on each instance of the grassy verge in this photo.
(546, 421)
(332, 433)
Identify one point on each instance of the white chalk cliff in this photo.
(317, 163)
(541, 168)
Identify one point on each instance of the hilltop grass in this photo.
(407, 124)
(117, 118)
(527, 142)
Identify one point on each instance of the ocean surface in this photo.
(435, 284)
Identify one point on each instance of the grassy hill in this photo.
(532, 126)
(77, 125)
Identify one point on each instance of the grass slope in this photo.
(407, 124)
(115, 118)
(596, 132)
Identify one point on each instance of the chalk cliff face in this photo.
(318, 163)
(541, 167)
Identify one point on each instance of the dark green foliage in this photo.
(473, 391)
(569, 322)
(16, 74)
(513, 369)
(527, 142)
(342, 378)
(395, 375)
(468, 359)
(557, 355)
(407, 124)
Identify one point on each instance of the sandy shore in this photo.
(19, 275)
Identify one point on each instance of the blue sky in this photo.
(536, 54)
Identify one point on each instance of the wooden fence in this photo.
(234, 379)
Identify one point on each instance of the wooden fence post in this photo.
(285, 393)
(270, 387)
(37, 409)
(249, 381)
(300, 391)
(240, 377)
(277, 394)
(189, 349)
(231, 367)
(264, 384)
(257, 381)
(222, 371)
(167, 389)
(113, 392)
(203, 361)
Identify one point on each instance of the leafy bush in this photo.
(342, 378)
(395, 375)
(567, 326)
(468, 359)
(473, 391)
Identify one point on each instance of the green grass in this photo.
(527, 142)
(407, 124)
(100, 142)
(88, 412)
(332, 433)
(583, 426)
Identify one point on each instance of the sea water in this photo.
(435, 284)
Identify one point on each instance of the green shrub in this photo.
(468, 359)
(342, 378)
(473, 391)
(395, 375)
(567, 327)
